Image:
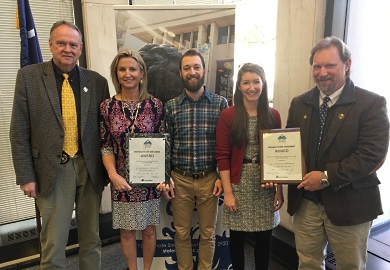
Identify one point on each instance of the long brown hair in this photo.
(265, 119)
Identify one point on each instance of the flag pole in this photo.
(30, 53)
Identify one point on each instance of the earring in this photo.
(141, 82)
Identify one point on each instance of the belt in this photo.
(194, 175)
(254, 160)
(65, 157)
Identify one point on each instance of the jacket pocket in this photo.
(367, 182)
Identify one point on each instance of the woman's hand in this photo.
(269, 185)
(162, 187)
(230, 202)
(120, 183)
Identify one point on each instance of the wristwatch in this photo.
(324, 180)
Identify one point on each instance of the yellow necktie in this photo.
(69, 116)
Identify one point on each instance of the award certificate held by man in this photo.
(281, 153)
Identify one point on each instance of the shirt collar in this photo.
(334, 97)
(59, 72)
(206, 94)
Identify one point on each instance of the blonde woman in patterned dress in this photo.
(132, 109)
(248, 206)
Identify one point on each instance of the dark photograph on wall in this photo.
(163, 35)
(224, 83)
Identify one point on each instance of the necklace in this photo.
(136, 114)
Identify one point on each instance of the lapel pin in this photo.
(341, 116)
(305, 116)
(85, 89)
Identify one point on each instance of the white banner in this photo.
(165, 256)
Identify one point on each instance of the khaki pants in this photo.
(190, 193)
(313, 230)
(73, 186)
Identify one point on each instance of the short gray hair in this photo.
(325, 43)
(69, 24)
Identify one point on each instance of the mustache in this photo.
(324, 78)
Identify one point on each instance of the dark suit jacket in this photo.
(353, 148)
(37, 132)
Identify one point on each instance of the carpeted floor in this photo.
(112, 260)
(379, 244)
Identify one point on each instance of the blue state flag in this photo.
(30, 52)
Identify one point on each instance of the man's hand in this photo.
(311, 181)
(217, 188)
(169, 193)
(30, 189)
(279, 198)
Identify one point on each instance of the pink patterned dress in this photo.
(140, 207)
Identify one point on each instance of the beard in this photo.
(192, 86)
(327, 86)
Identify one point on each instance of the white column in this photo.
(300, 25)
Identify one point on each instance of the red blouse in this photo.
(229, 157)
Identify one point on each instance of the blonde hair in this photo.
(143, 87)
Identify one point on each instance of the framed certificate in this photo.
(148, 158)
(281, 156)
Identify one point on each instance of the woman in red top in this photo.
(248, 206)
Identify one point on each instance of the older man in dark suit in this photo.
(56, 146)
(345, 136)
